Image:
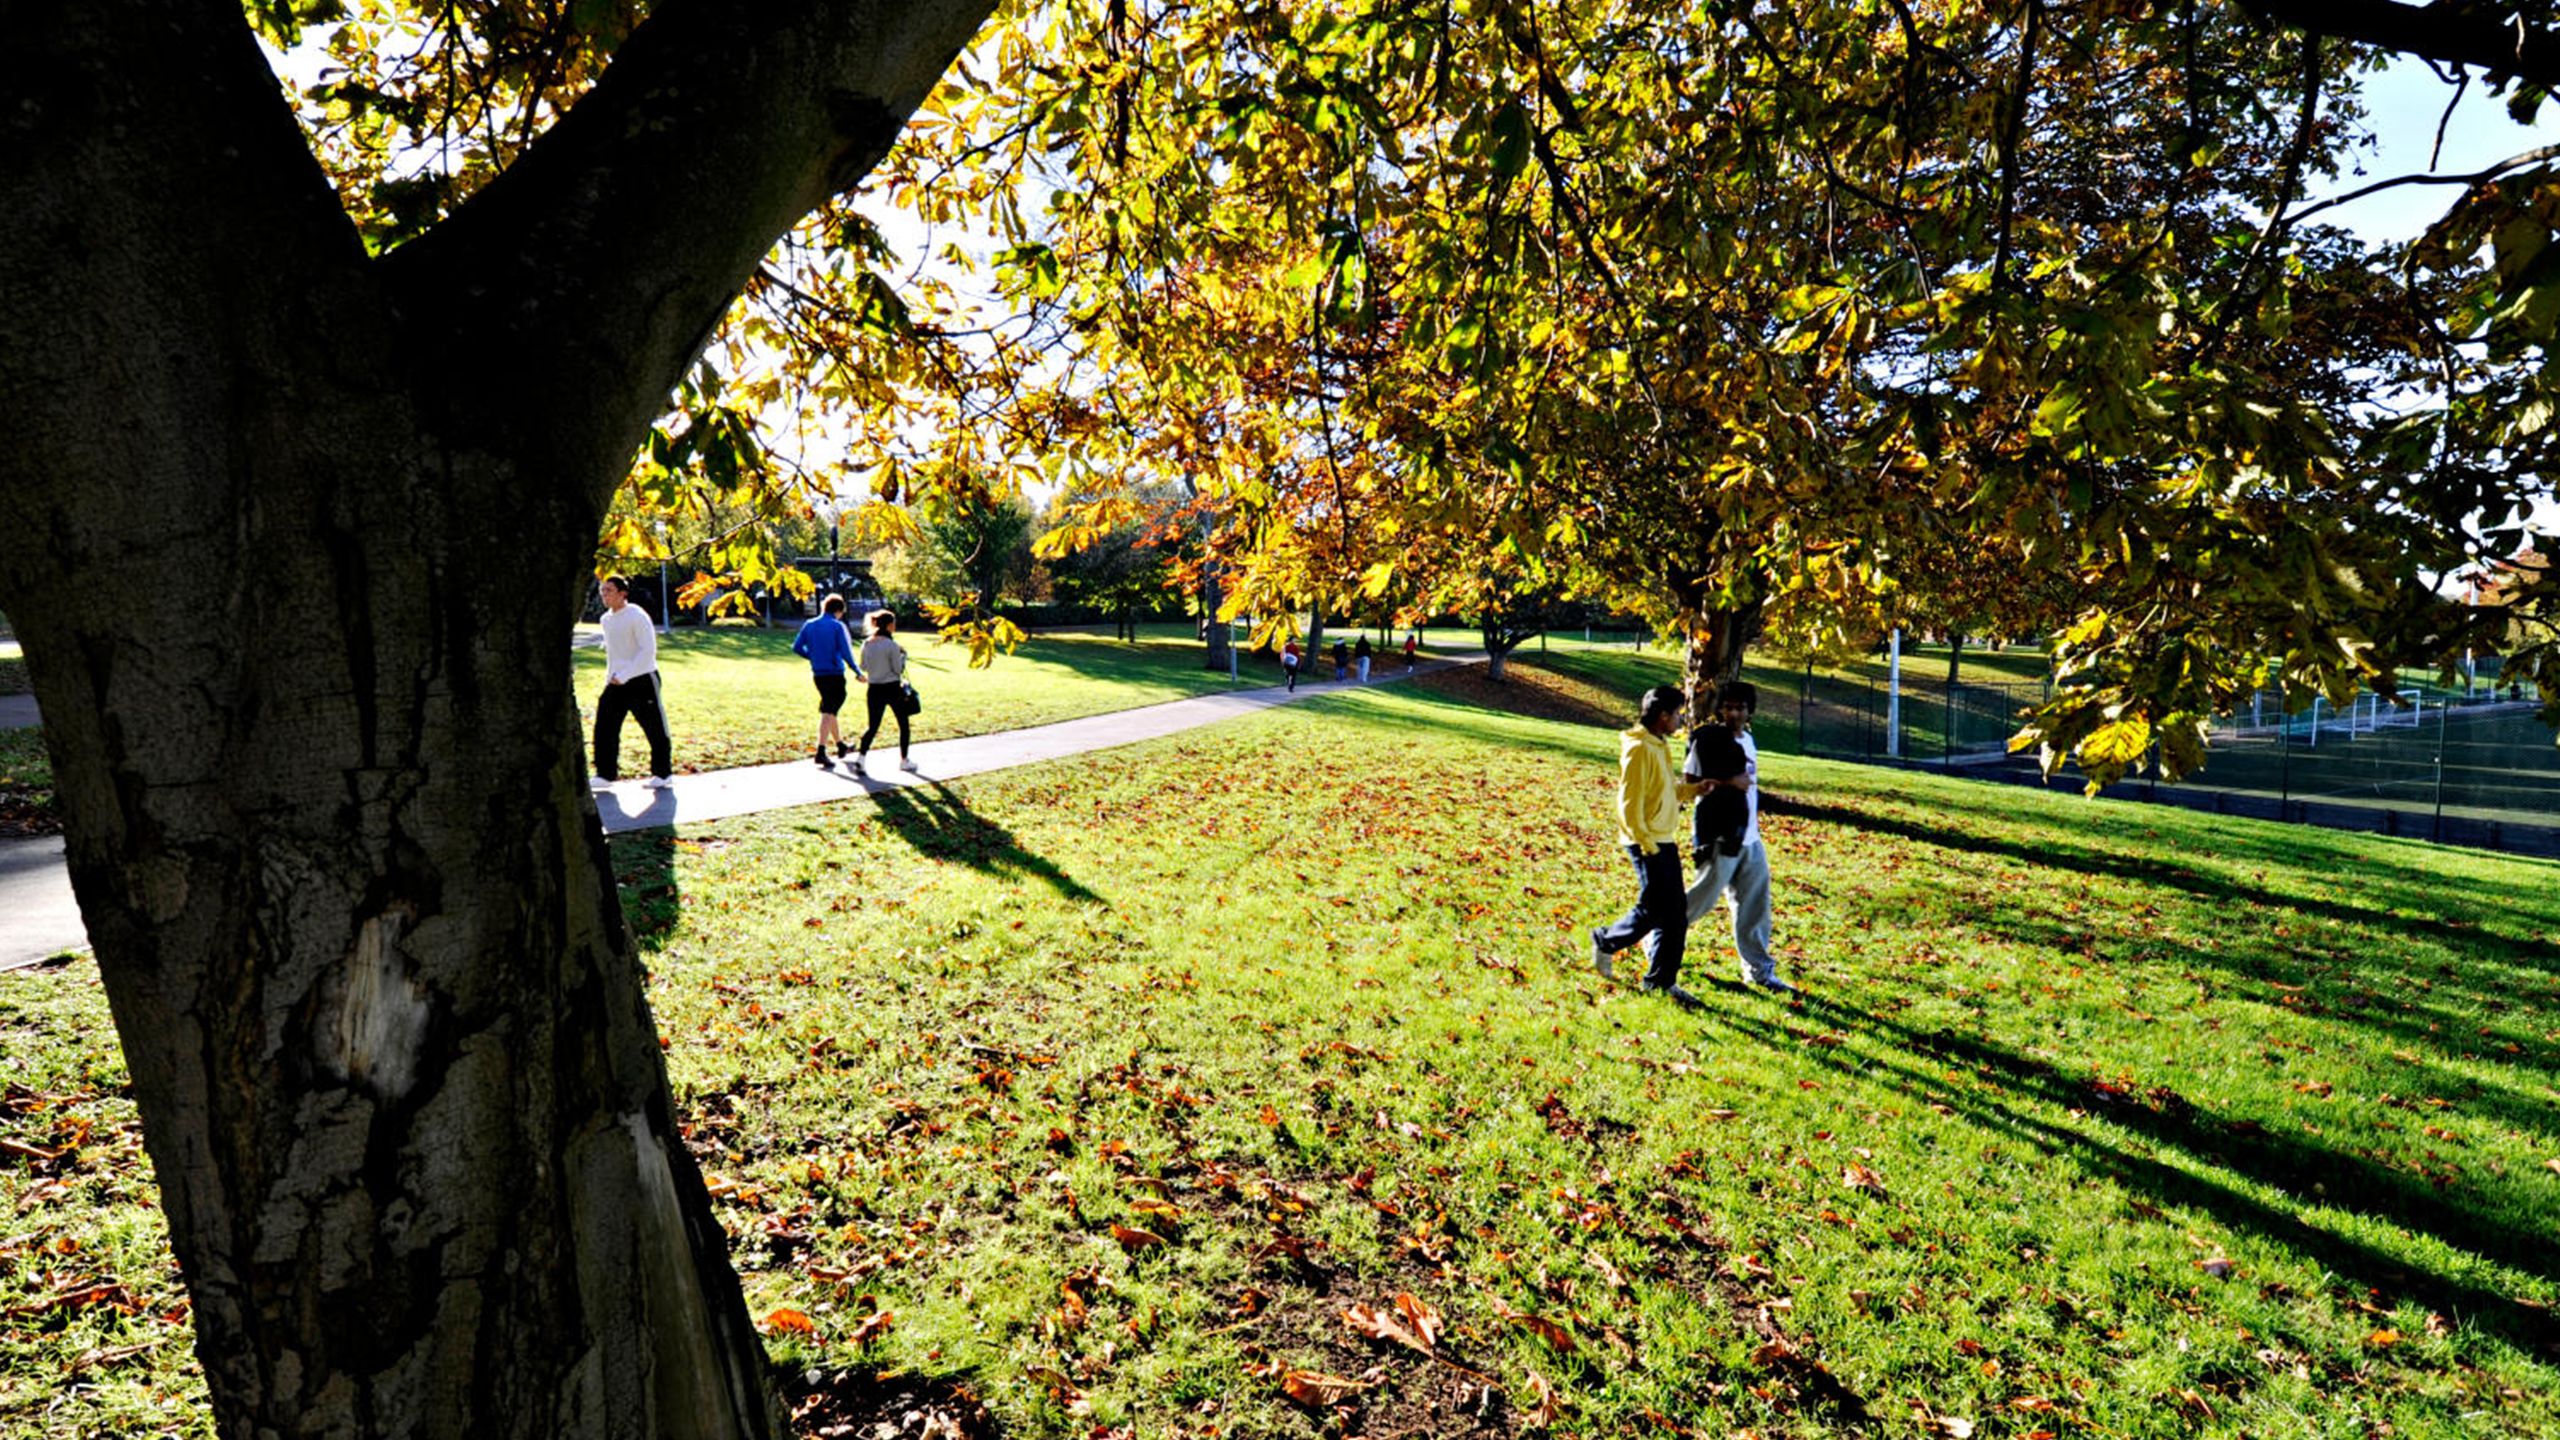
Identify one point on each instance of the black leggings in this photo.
(876, 702)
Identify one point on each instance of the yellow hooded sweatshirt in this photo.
(1650, 790)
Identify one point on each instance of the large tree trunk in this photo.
(293, 537)
(1718, 641)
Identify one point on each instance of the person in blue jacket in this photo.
(828, 647)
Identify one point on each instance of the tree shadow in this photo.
(2527, 950)
(932, 817)
(644, 875)
(2210, 1143)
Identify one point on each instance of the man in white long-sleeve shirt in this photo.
(630, 688)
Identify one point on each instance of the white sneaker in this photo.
(907, 765)
(660, 782)
(1600, 959)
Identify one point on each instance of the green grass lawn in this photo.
(1134, 1091)
(738, 696)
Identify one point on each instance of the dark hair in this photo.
(1742, 693)
(618, 582)
(883, 621)
(1660, 700)
(833, 605)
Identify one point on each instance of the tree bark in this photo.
(293, 537)
(1718, 640)
(1212, 629)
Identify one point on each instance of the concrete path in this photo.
(18, 712)
(39, 921)
(35, 896)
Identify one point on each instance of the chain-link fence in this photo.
(2466, 767)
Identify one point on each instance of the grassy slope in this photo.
(2176, 1125)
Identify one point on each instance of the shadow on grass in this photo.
(937, 822)
(2526, 950)
(866, 1401)
(644, 873)
(2269, 1159)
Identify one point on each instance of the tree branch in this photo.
(2452, 34)
(590, 273)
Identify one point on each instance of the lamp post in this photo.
(666, 600)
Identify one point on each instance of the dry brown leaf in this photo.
(872, 1326)
(792, 1321)
(1859, 1177)
(2383, 1338)
(1157, 1210)
(1379, 1325)
(1538, 1325)
(1608, 1273)
(1135, 1239)
(1424, 1320)
(1317, 1390)
(1954, 1425)
(1544, 1403)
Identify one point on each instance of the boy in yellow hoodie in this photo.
(1650, 794)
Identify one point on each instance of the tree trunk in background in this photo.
(1718, 640)
(1315, 634)
(1955, 660)
(1213, 630)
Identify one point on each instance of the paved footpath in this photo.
(42, 922)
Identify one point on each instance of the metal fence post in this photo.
(2284, 751)
(2442, 711)
(1947, 757)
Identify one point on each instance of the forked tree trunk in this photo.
(293, 536)
(336, 853)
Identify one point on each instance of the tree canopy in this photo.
(1825, 319)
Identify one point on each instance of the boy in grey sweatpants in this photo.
(1745, 872)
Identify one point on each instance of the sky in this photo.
(2404, 103)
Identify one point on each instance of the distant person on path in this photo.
(1726, 831)
(883, 668)
(1341, 660)
(828, 647)
(1290, 658)
(631, 689)
(1362, 654)
(1650, 793)
(1411, 644)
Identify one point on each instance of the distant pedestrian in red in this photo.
(1412, 642)
(1290, 658)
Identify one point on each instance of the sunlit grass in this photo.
(2093, 1119)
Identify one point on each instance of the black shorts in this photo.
(830, 693)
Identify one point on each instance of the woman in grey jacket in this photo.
(883, 665)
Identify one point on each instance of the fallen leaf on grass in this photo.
(1544, 1403)
(1539, 1325)
(2382, 1339)
(2552, 1165)
(1317, 1390)
(79, 1297)
(792, 1321)
(1859, 1177)
(1379, 1325)
(1424, 1320)
(1955, 1425)
(1135, 1239)
(872, 1327)
(2218, 1267)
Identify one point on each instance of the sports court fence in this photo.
(2469, 767)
